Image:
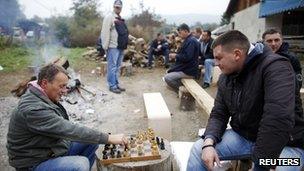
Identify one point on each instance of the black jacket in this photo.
(260, 102)
(187, 57)
(296, 65)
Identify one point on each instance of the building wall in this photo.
(248, 22)
(274, 21)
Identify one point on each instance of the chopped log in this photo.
(103, 68)
(187, 101)
(126, 69)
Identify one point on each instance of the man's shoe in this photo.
(167, 66)
(121, 89)
(115, 90)
(150, 67)
(206, 85)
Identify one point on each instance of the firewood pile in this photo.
(93, 54)
(137, 51)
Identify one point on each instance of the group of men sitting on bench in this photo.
(258, 91)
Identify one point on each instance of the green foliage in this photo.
(86, 23)
(205, 26)
(144, 23)
(14, 59)
(59, 27)
(78, 62)
(84, 36)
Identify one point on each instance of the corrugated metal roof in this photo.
(270, 7)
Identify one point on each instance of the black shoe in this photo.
(167, 66)
(115, 90)
(121, 89)
(150, 67)
(206, 85)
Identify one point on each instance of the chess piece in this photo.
(140, 150)
(157, 140)
(106, 147)
(118, 155)
(126, 153)
(105, 156)
(162, 144)
(112, 153)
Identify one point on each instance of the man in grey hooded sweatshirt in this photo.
(40, 135)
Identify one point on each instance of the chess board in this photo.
(142, 146)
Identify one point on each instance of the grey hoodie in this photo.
(39, 130)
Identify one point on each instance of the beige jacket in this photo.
(109, 34)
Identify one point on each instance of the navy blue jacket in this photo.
(187, 57)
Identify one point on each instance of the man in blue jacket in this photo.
(186, 59)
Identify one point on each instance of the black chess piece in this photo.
(157, 141)
(106, 147)
(105, 156)
(162, 144)
(112, 153)
(118, 155)
(104, 152)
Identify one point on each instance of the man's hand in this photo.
(209, 155)
(118, 139)
(172, 56)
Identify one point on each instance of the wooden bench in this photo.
(159, 117)
(200, 95)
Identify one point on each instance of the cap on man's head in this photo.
(183, 27)
(117, 3)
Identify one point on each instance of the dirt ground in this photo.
(108, 112)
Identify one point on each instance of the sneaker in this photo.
(206, 85)
(115, 90)
(121, 89)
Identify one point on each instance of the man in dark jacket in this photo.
(256, 92)
(207, 58)
(273, 38)
(159, 46)
(186, 60)
(40, 133)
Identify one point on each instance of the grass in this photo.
(77, 61)
(14, 59)
(19, 58)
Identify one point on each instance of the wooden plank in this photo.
(159, 116)
(156, 106)
(200, 95)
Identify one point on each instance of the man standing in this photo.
(159, 46)
(207, 58)
(256, 92)
(114, 36)
(186, 59)
(40, 135)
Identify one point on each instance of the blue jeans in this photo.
(114, 58)
(173, 79)
(80, 157)
(209, 64)
(235, 147)
(164, 52)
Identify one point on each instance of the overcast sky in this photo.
(46, 8)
